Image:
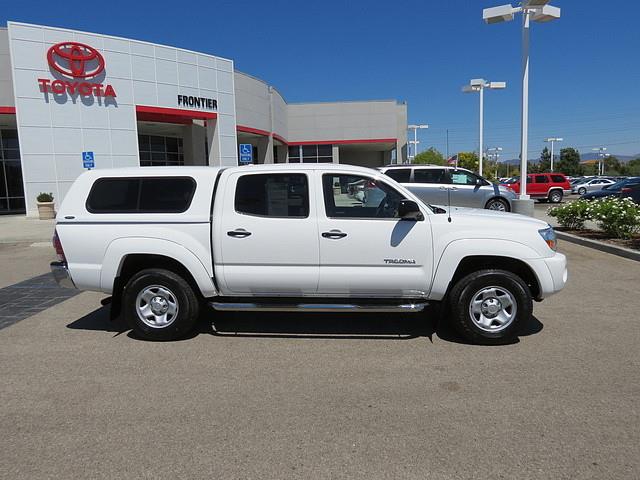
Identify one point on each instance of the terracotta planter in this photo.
(46, 210)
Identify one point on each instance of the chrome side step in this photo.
(316, 307)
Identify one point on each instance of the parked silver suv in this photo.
(471, 190)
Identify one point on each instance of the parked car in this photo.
(591, 185)
(430, 183)
(543, 186)
(168, 242)
(612, 190)
(631, 191)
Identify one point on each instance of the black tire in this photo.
(582, 191)
(179, 291)
(555, 196)
(491, 205)
(464, 291)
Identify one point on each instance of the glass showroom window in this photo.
(11, 189)
(158, 151)
(310, 154)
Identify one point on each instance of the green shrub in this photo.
(619, 218)
(45, 197)
(572, 215)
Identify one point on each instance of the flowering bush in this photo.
(619, 218)
(572, 215)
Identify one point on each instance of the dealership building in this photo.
(73, 100)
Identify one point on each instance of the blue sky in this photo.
(585, 68)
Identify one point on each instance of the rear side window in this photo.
(400, 175)
(430, 175)
(141, 195)
(542, 179)
(273, 195)
(558, 179)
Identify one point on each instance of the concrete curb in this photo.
(598, 245)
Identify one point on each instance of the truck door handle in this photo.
(334, 234)
(239, 233)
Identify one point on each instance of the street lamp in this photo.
(601, 156)
(552, 140)
(538, 11)
(478, 85)
(415, 141)
(494, 154)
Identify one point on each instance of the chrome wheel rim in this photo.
(555, 197)
(497, 205)
(492, 309)
(157, 306)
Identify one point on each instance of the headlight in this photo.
(549, 236)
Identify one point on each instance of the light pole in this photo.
(601, 156)
(478, 85)
(538, 11)
(415, 141)
(494, 154)
(552, 140)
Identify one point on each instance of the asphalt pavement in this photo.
(315, 396)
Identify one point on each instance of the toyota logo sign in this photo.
(75, 59)
(79, 61)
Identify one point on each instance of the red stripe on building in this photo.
(175, 113)
(345, 142)
(257, 131)
(279, 138)
(8, 110)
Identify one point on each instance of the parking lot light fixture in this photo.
(478, 85)
(538, 11)
(415, 128)
(601, 156)
(552, 140)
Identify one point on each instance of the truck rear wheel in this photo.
(489, 306)
(160, 305)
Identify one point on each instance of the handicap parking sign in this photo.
(246, 153)
(88, 160)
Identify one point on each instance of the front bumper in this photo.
(61, 274)
(557, 266)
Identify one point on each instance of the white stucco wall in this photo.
(54, 129)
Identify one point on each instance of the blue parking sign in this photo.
(88, 160)
(246, 153)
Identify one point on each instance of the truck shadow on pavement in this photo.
(307, 326)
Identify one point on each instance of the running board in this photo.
(316, 307)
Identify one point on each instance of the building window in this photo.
(311, 154)
(11, 188)
(159, 151)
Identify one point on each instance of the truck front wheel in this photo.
(489, 306)
(160, 305)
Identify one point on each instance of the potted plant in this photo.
(46, 209)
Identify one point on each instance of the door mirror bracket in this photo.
(409, 210)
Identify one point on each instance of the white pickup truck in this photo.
(167, 242)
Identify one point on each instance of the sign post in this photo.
(246, 153)
(88, 161)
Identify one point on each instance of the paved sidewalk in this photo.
(23, 229)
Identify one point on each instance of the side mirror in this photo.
(409, 210)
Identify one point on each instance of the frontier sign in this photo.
(80, 62)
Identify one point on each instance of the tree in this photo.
(612, 166)
(569, 162)
(468, 160)
(429, 156)
(545, 161)
(633, 167)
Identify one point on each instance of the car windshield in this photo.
(512, 180)
(615, 186)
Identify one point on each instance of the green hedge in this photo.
(618, 218)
